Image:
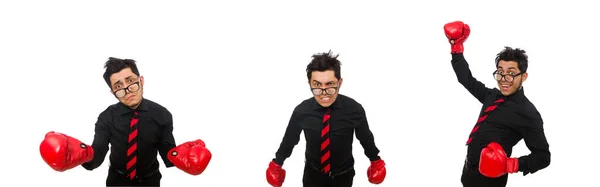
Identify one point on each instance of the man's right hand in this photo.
(62, 152)
(457, 33)
(275, 174)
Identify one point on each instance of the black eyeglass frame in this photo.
(127, 89)
(324, 90)
(503, 76)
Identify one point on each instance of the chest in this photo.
(149, 130)
(505, 115)
(340, 122)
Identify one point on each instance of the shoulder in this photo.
(349, 102)
(111, 110)
(155, 106)
(306, 105)
(157, 110)
(493, 92)
(528, 110)
(108, 114)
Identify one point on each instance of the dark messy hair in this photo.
(324, 62)
(114, 65)
(517, 55)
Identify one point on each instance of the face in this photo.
(122, 84)
(328, 86)
(507, 68)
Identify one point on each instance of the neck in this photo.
(134, 107)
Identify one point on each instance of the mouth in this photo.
(130, 97)
(505, 87)
(326, 99)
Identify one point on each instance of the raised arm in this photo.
(457, 33)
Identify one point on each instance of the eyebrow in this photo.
(500, 67)
(322, 83)
(119, 81)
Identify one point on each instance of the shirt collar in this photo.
(517, 96)
(122, 109)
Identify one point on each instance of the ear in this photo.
(341, 80)
(524, 77)
(142, 81)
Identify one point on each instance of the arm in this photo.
(536, 142)
(290, 139)
(191, 157)
(457, 33)
(167, 141)
(366, 138)
(100, 143)
(464, 76)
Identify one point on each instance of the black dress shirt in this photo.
(515, 119)
(347, 116)
(155, 134)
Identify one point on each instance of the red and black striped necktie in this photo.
(325, 152)
(483, 116)
(132, 150)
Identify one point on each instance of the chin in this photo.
(508, 92)
(325, 104)
(133, 104)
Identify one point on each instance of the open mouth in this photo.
(505, 86)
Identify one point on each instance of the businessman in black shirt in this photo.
(507, 116)
(329, 121)
(137, 130)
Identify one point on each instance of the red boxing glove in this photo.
(275, 174)
(494, 163)
(457, 33)
(191, 157)
(376, 172)
(62, 152)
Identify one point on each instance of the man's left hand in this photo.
(191, 157)
(376, 172)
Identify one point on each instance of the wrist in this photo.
(277, 162)
(457, 48)
(512, 165)
(376, 158)
(378, 163)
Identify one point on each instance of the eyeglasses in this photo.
(507, 77)
(134, 87)
(319, 91)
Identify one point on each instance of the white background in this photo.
(232, 72)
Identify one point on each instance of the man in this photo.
(507, 116)
(329, 120)
(133, 157)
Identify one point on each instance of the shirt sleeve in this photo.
(290, 139)
(366, 138)
(167, 140)
(100, 143)
(464, 76)
(535, 140)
